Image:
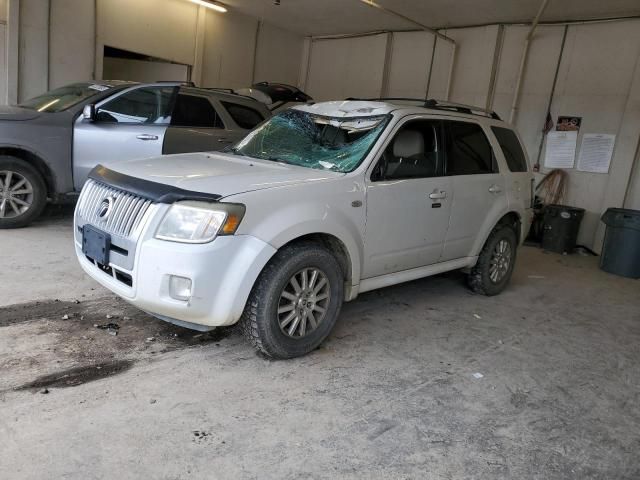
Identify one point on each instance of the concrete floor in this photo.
(391, 394)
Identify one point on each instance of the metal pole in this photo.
(523, 61)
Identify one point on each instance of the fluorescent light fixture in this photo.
(211, 4)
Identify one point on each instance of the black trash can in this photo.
(621, 249)
(560, 226)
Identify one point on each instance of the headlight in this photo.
(199, 222)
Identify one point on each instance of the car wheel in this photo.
(295, 302)
(493, 270)
(23, 194)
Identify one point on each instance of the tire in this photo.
(22, 177)
(483, 278)
(274, 291)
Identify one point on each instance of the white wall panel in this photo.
(278, 55)
(71, 42)
(544, 53)
(347, 67)
(441, 70)
(141, 26)
(473, 64)
(34, 48)
(410, 64)
(3, 64)
(228, 50)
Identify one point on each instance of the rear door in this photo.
(520, 179)
(128, 125)
(408, 201)
(196, 124)
(478, 187)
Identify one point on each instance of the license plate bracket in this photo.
(96, 244)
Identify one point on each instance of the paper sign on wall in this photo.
(595, 152)
(561, 149)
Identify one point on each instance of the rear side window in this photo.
(468, 150)
(245, 117)
(194, 111)
(511, 149)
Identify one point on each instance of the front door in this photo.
(408, 202)
(129, 125)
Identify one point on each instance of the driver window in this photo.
(413, 153)
(146, 105)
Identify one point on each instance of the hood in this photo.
(219, 173)
(9, 112)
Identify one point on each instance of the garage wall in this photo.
(229, 50)
(278, 55)
(34, 47)
(142, 27)
(349, 67)
(598, 80)
(62, 41)
(71, 42)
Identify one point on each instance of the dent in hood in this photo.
(218, 173)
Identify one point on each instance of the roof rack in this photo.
(181, 82)
(439, 105)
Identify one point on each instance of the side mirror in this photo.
(89, 112)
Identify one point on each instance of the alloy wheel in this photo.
(500, 261)
(304, 302)
(16, 194)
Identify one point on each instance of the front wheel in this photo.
(23, 194)
(493, 270)
(295, 302)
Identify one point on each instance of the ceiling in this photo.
(331, 17)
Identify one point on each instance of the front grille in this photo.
(126, 212)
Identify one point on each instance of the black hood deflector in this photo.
(157, 192)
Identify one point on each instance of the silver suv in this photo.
(49, 144)
(316, 205)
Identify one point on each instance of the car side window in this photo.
(245, 117)
(511, 148)
(468, 150)
(195, 111)
(146, 105)
(414, 152)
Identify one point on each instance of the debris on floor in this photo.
(477, 316)
(111, 328)
(477, 375)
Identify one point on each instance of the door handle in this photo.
(147, 136)
(224, 140)
(438, 195)
(495, 189)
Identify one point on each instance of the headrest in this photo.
(408, 143)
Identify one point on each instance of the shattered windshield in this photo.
(64, 97)
(302, 138)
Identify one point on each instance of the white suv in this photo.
(316, 205)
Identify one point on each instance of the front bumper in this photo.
(222, 275)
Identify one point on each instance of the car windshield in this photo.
(64, 97)
(314, 141)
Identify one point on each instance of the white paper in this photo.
(561, 149)
(595, 152)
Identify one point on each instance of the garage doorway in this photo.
(121, 64)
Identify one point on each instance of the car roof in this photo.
(401, 107)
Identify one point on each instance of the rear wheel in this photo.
(295, 302)
(493, 270)
(23, 194)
